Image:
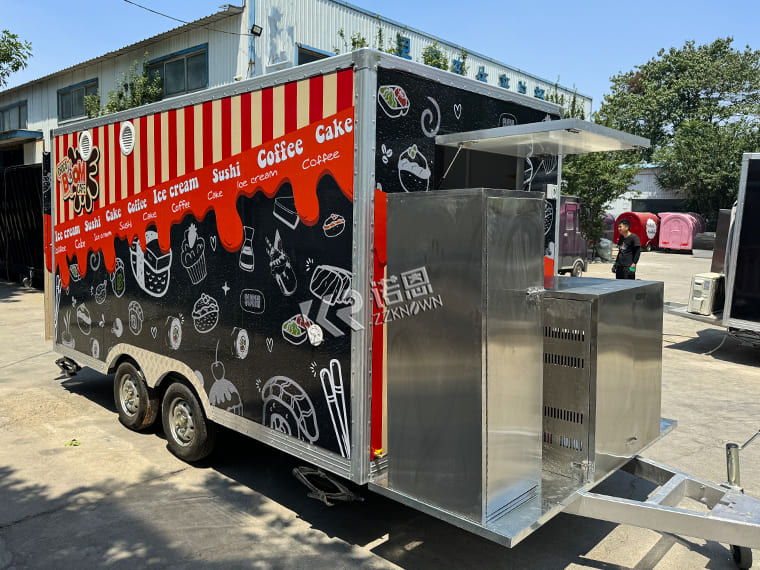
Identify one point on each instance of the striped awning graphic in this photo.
(177, 142)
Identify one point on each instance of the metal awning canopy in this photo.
(566, 136)
(18, 137)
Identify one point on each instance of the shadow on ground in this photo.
(12, 292)
(155, 524)
(708, 340)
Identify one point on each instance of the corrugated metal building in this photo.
(648, 196)
(236, 42)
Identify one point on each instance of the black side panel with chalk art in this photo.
(239, 319)
(745, 304)
(412, 110)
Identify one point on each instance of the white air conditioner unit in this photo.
(707, 293)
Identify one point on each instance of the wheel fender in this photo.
(156, 367)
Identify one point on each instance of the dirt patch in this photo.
(35, 407)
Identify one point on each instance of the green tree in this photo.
(712, 83)
(703, 160)
(434, 56)
(356, 41)
(597, 178)
(700, 107)
(573, 106)
(136, 87)
(14, 54)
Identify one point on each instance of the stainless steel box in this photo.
(602, 373)
(464, 371)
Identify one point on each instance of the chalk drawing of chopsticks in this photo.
(332, 384)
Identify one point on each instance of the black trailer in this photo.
(738, 269)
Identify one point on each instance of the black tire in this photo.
(136, 404)
(189, 434)
(577, 270)
(742, 557)
(649, 246)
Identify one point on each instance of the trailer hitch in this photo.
(68, 366)
(323, 487)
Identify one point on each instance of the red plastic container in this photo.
(677, 229)
(644, 224)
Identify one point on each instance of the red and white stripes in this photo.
(179, 141)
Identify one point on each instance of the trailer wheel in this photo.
(136, 404)
(649, 246)
(742, 557)
(189, 434)
(577, 268)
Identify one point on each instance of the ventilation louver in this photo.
(85, 145)
(127, 138)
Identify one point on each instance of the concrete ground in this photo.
(119, 499)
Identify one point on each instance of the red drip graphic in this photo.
(300, 158)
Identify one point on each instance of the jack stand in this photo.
(68, 366)
(332, 490)
(742, 555)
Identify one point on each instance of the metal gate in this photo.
(21, 225)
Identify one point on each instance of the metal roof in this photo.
(199, 23)
(563, 137)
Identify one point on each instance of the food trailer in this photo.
(644, 224)
(734, 269)
(572, 251)
(347, 261)
(678, 230)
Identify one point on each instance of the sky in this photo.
(582, 43)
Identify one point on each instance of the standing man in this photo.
(629, 249)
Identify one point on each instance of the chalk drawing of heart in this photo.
(154, 332)
(213, 242)
(270, 344)
(458, 111)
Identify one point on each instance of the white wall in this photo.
(224, 63)
(33, 152)
(315, 24)
(645, 187)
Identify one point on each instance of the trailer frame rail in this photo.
(732, 517)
